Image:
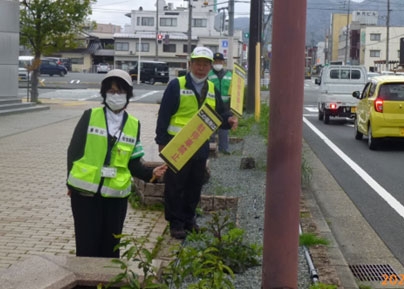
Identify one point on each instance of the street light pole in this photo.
(138, 59)
(347, 32)
(157, 30)
(387, 35)
(230, 58)
(189, 48)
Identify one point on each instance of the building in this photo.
(364, 42)
(373, 47)
(168, 38)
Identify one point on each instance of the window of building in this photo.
(374, 53)
(168, 21)
(169, 48)
(199, 22)
(78, 60)
(185, 48)
(375, 36)
(145, 21)
(144, 46)
(122, 46)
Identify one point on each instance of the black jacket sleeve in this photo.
(78, 141)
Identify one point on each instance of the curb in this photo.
(335, 256)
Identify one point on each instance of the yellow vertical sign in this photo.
(237, 90)
(190, 138)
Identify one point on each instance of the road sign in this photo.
(225, 43)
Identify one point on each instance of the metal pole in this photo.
(189, 48)
(230, 58)
(347, 32)
(255, 32)
(138, 60)
(281, 225)
(157, 30)
(388, 35)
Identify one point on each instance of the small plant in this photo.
(310, 239)
(362, 286)
(135, 252)
(212, 257)
(307, 172)
(322, 286)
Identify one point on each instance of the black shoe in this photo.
(178, 234)
(225, 152)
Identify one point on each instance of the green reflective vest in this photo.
(86, 173)
(188, 106)
(223, 85)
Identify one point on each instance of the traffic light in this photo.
(247, 35)
(159, 38)
(166, 39)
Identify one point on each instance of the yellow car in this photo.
(380, 111)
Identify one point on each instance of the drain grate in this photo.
(369, 272)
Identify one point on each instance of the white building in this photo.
(141, 37)
(366, 42)
(373, 47)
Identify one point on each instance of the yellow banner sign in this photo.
(191, 137)
(237, 90)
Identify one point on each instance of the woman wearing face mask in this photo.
(221, 78)
(104, 153)
(181, 100)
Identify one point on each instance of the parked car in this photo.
(66, 62)
(103, 68)
(380, 110)
(49, 66)
(151, 71)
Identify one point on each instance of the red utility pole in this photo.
(281, 226)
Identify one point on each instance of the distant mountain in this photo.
(319, 15)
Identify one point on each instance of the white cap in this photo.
(121, 74)
(202, 52)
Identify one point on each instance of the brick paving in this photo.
(35, 213)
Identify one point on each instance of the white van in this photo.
(23, 63)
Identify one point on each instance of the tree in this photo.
(47, 26)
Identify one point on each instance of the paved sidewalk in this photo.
(35, 213)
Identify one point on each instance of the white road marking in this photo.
(146, 95)
(390, 200)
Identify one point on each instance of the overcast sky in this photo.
(113, 11)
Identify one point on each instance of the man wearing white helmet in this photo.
(104, 153)
(181, 100)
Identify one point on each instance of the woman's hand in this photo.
(158, 172)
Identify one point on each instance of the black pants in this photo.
(96, 219)
(183, 192)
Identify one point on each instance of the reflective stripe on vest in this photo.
(188, 106)
(86, 172)
(223, 85)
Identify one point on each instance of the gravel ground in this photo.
(228, 179)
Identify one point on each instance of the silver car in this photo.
(103, 68)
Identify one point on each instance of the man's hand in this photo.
(233, 122)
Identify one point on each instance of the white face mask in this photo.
(198, 80)
(115, 101)
(217, 67)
